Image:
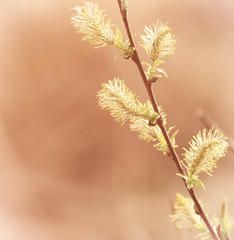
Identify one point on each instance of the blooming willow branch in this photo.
(157, 43)
(205, 150)
(154, 133)
(148, 85)
(185, 215)
(148, 119)
(90, 20)
(123, 106)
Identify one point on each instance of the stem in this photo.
(173, 154)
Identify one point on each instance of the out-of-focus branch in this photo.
(208, 122)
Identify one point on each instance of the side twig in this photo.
(173, 154)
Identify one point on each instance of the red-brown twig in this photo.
(173, 154)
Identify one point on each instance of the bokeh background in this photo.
(67, 171)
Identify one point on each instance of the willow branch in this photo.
(173, 154)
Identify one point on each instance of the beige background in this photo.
(67, 171)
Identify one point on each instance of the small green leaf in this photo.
(153, 119)
(145, 63)
(161, 71)
(193, 180)
(174, 134)
(182, 175)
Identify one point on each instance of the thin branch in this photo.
(173, 153)
(208, 122)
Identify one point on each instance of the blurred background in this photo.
(67, 171)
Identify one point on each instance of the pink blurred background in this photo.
(67, 170)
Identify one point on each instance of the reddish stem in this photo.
(173, 154)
